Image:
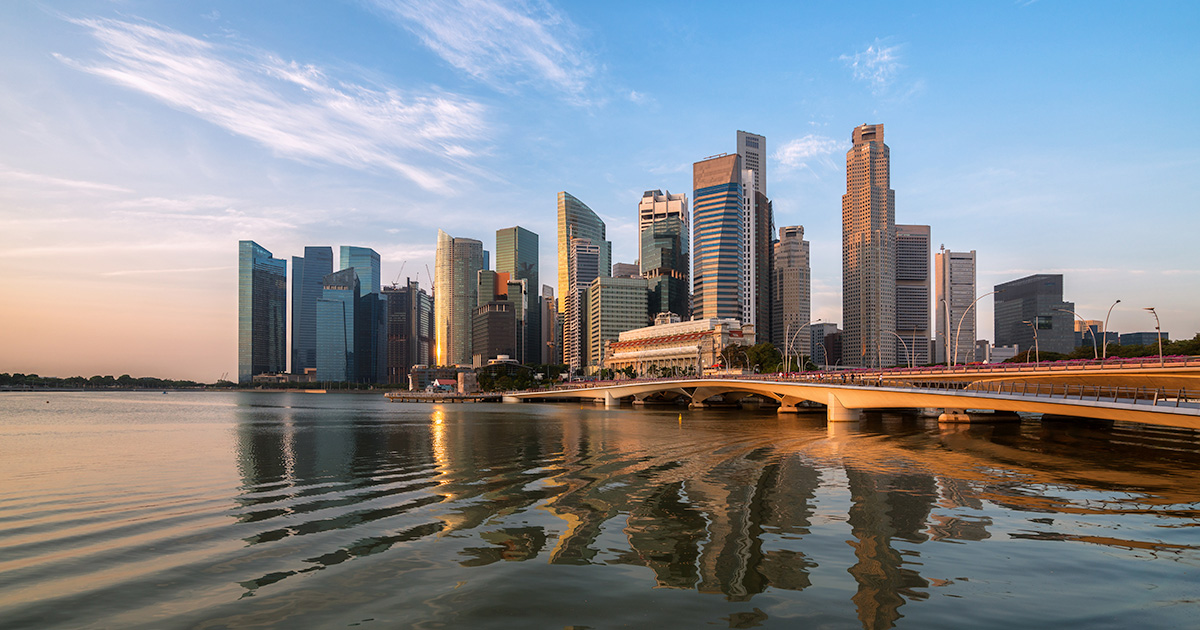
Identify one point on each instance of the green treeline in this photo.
(1183, 347)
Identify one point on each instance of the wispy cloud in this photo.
(295, 109)
(801, 153)
(877, 66)
(18, 177)
(499, 42)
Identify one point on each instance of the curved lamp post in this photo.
(1036, 354)
(789, 341)
(1158, 329)
(907, 355)
(954, 359)
(1104, 353)
(1095, 352)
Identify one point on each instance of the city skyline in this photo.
(1040, 148)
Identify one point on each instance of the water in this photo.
(290, 510)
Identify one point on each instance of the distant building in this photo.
(1000, 354)
(576, 220)
(817, 334)
(664, 251)
(718, 241)
(458, 262)
(758, 231)
(551, 350)
(792, 292)
(308, 272)
(493, 331)
(517, 255)
(954, 293)
(868, 253)
(409, 331)
(626, 270)
(913, 295)
(262, 312)
(365, 262)
(1143, 338)
(686, 347)
(337, 317)
(1035, 301)
(614, 306)
(833, 345)
(585, 259)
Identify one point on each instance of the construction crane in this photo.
(430, 276)
(396, 282)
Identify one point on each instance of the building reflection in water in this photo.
(720, 504)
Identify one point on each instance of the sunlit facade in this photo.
(913, 296)
(262, 312)
(955, 290)
(458, 262)
(576, 220)
(868, 253)
(792, 288)
(717, 237)
(663, 243)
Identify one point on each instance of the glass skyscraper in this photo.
(717, 237)
(262, 312)
(365, 261)
(457, 265)
(336, 319)
(517, 255)
(664, 252)
(308, 272)
(576, 220)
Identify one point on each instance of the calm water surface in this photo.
(290, 510)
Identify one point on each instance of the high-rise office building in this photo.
(308, 272)
(626, 270)
(262, 312)
(753, 150)
(458, 262)
(585, 265)
(551, 328)
(576, 220)
(912, 295)
(494, 331)
(868, 253)
(1034, 302)
(821, 355)
(409, 330)
(954, 274)
(615, 305)
(717, 237)
(792, 290)
(365, 262)
(517, 255)
(664, 251)
(760, 288)
(337, 319)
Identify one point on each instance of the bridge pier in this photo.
(836, 412)
(610, 400)
(789, 404)
(954, 415)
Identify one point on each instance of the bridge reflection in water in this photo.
(710, 505)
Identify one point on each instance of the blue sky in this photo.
(139, 141)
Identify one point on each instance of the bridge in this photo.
(1133, 392)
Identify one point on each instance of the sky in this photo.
(140, 141)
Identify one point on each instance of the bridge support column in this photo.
(954, 415)
(610, 400)
(510, 399)
(836, 412)
(788, 405)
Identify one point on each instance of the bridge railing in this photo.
(1155, 396)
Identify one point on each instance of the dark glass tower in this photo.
(336, 319)
(307, 274)
(262, 312)
(517, 255)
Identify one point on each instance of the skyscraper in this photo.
(615, 305)
(458, 262)
(262, 312)
(337, 317)
(365, 262)
(955, 282)
(753, 150)
(1029, 302)
(551, 329)
(758, 230)
(308, 272)
(517, 255)
(762, 244)
(912, 295)
(718, 239)
(576, 220)
(409, 330)
(664, 251)
(868, 253)
(792, 290)
(585, 267)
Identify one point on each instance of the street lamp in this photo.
(1104, 353)
(1037, 356)
(788, 341)
(958, 330)
(1158, 329)
(907, 356)
(1095, 353)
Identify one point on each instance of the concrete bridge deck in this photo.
(845, 401)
